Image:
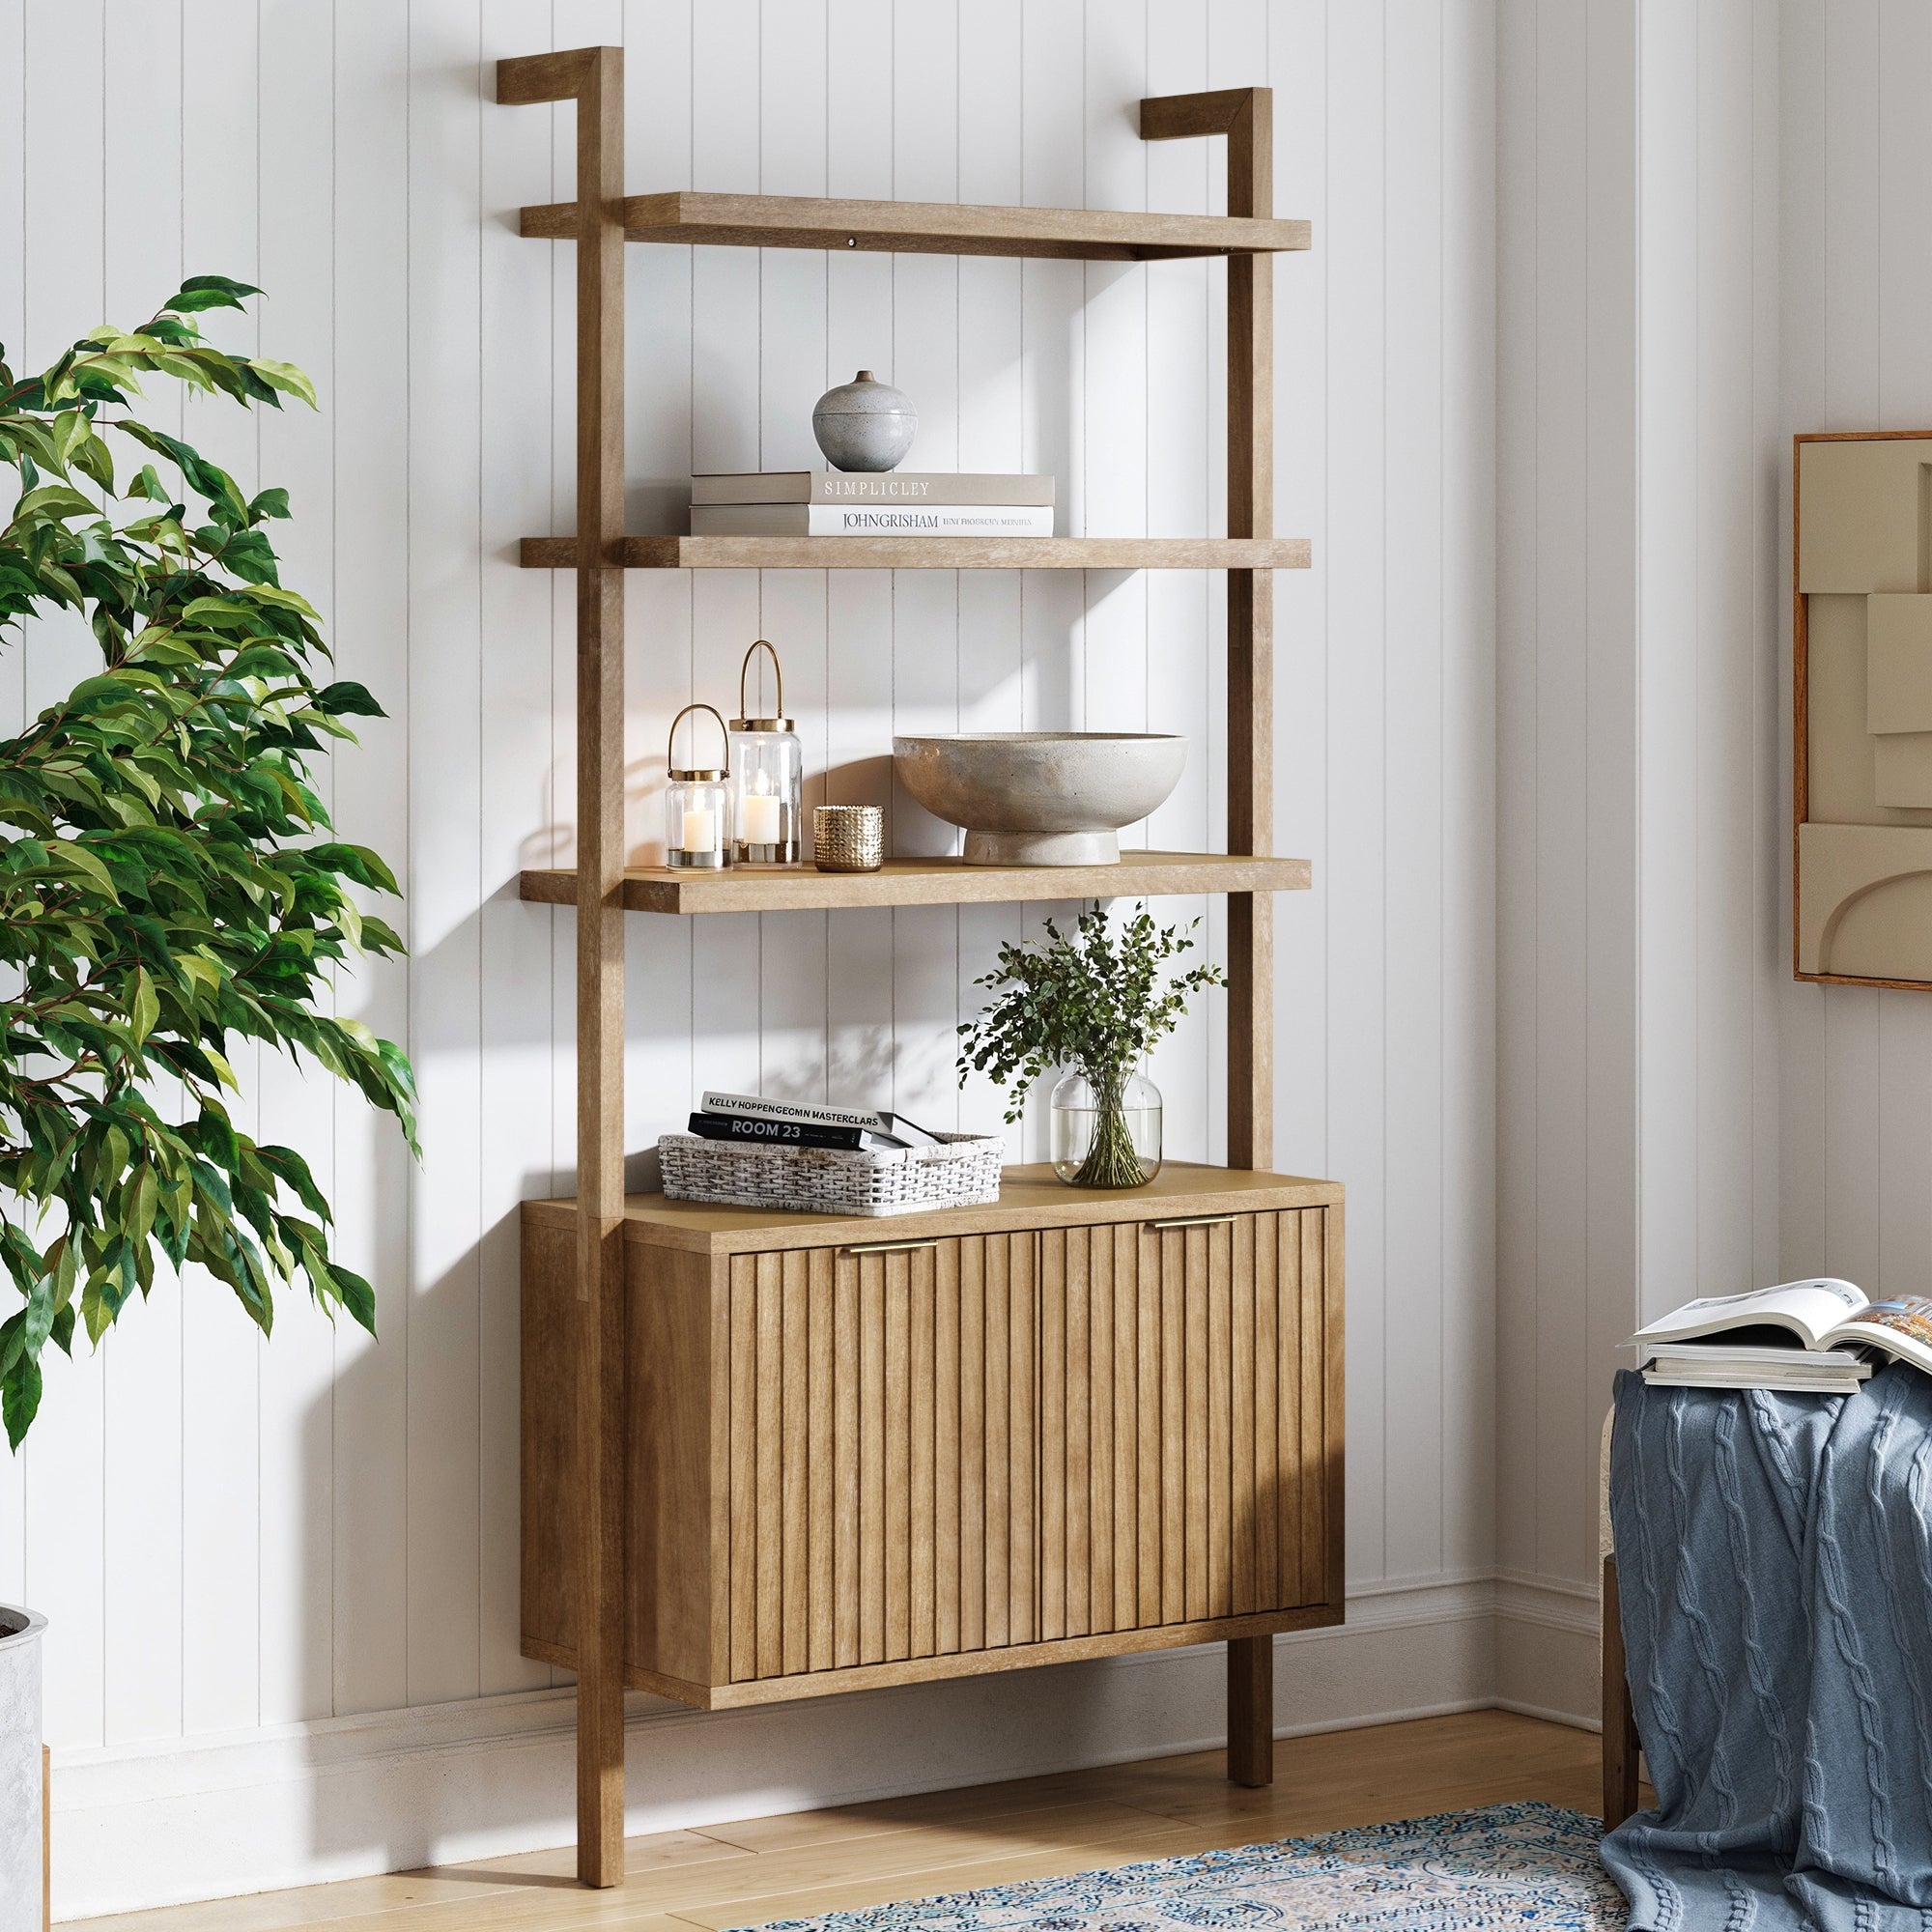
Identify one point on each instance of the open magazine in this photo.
(1820, 1333)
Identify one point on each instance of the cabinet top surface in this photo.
(1029, 1197)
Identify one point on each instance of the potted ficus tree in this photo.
(168, 884)
(1095, 1001)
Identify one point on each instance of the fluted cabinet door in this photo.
(881, 1422)
(1182, 1422)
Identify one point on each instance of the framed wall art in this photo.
(1862, 664)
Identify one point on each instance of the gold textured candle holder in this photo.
(849, 838)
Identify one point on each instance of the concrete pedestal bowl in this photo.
(21, 1878)
(1040, 797)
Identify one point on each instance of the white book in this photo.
(1747, 1367)
(866, 486)
(1763, 1378)
(759, 1107)
(872, 520)
(1788, 1357)
(1822, 1313)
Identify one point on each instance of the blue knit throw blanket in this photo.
(1774, 1566)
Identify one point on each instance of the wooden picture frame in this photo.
(1814, 924)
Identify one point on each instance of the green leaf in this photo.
(357, 1296)
(20, 1399)
(285, 375)
(73, 858)
(206, 292)
(54, 500)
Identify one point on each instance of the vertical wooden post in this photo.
(594, 78)
(1251, 639)
(1251, 1710)
(1245, 115)
(1620, 1740)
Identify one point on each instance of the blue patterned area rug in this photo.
(1508, 1865)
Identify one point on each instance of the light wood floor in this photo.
(813, 1862)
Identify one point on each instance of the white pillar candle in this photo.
(761, 820)
(701, 830)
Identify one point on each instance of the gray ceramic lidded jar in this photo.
(864, 424)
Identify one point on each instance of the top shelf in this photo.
(928, 228)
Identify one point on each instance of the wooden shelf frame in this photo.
(599, 220)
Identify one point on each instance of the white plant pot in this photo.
(20, 1798)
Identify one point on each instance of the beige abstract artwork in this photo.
(1863, 663)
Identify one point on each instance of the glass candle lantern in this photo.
(698, 804)
(767, 776)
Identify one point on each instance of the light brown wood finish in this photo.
(808, 1864)
(930, 882)
(744, 1549)
(916, 1324)
(594, 78)
(677, 1452)
(928, 228)
(678, 553)
(1188, 1494)
(1021, 1653)
(1245, 116)
(892, 1458)
(1030, 1198)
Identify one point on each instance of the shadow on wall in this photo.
(1052, 698)
(495, 1774)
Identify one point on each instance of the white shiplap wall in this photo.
(1640, 848)
(1858, 1064)
(254, 1556)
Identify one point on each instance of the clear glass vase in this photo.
(1106, 1129)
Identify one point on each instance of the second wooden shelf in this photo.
(927, 228)
(930, 882)
(932, 553)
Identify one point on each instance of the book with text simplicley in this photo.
(1820, 1333)
(860, 486)
(870, 520)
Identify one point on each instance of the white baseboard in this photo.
(1547, 1650)
(344, 1797)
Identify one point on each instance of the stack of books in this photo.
(1817, 1337)
(754, 1120)
(883, 503)
(1792, 1371)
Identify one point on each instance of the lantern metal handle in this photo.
(777, 672)
(671, 745)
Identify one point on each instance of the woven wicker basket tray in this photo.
(825, 1180)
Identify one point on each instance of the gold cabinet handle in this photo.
(890, 1247)
(1194, 1221)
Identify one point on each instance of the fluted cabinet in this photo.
(856, 1457)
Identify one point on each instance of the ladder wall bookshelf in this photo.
(581, 1482)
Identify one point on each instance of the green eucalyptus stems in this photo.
(1097, 999)
(166, 882)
